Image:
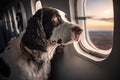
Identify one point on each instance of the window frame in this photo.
(23, 12)
(36, 3)
(89, 50)
(14, 19)
(89, 40)
(33, 6)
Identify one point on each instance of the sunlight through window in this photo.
(100, 22)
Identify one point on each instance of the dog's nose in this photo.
(76, 30)
(59, 41)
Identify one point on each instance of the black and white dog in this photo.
(28, 56)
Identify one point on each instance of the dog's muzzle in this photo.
(77, 31)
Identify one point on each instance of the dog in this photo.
(28, 56)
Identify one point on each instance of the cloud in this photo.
(103, 19)
(90, 17)
(106, 19)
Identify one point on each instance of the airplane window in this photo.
(21, 17)
(10, 23)
(35, 5)
(19, 21)
(38, 5)
(100, 22)
(14, 21)
(5, 20)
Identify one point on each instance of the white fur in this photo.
(63, 31)
(20, 68)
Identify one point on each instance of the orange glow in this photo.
(100, 15)
(99, 25)
(108, 12)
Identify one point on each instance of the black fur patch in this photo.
(4, 68)
(39, 29)
(34, 37)
(1, 50)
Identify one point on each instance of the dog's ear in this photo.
(35, 36)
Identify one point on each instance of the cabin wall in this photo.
(59, 4)
(2, 37)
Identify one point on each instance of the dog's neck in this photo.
(32, 55)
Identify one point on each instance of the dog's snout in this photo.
(77, 30)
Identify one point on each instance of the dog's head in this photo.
(49, 24)
(49, 18)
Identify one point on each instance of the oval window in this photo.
(100, 22)
(38, 5)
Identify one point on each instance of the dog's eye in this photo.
(55, 20)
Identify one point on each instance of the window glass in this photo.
(100, 22)
(38, 5)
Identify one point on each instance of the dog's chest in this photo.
(30, 71)
(21, 69)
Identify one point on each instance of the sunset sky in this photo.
(99, 14)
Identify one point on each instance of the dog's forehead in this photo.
(62, 14)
